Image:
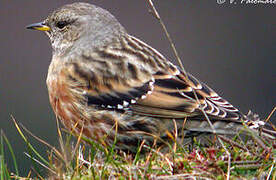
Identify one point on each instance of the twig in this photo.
(249, 166)
(43, 165)
(233, 143)
(269, 116)
(270, 171)
(262, 129)
(219, 139)
(156, 15)
(245, 162)
(193, 176)
(60, 135)
(175, 136)
(41, 140)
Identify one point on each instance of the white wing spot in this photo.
(199, 86)
(119, 106)
(125, 103)
(143, 97)
(177, 72)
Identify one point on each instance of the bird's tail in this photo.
(252, 125)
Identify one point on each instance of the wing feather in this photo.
(175, 94)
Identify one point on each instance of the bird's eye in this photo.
(61, 24)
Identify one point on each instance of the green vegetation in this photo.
(73, 160)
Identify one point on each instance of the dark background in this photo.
(231, 47)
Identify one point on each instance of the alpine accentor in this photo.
(106, 83)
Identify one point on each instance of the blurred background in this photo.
(231, 47)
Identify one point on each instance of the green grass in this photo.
(73, 160)
(4, 172)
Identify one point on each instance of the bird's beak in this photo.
(41, 26)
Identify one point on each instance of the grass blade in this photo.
(3, 168)
(29, 144)
(11, 151)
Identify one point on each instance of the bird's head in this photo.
(79, 23)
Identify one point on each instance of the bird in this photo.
(108, 85)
